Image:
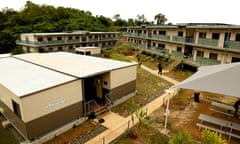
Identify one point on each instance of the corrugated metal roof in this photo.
(73, 64)
(23, 78)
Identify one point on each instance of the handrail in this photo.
(108, 101)
(91, 106)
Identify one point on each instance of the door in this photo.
(226, 39)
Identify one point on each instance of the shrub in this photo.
(182, 137)
(212, 137)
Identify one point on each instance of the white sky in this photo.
(176, 11)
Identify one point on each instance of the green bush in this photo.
(212, 137)
(182, 137)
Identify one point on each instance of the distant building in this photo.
(94, 51)
(196, 43)
(66, 41)
(42, 92)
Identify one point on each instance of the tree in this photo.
(116, 17)
(7, 42)
(141, 19)
(160, 18)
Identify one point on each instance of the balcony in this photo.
(234, 45)
(73, 41)
(206, 61)
(208, 42)
(40, 43)
(159, 37)
(93, 39)
(109, 39)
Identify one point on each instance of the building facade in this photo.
(197, 43)
(66, 41)
(41, 92)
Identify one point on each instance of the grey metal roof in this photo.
(73, 64)
(23, 78)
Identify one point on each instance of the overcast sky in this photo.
(176, 11)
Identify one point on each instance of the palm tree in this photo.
(160, 18)
(116, 17)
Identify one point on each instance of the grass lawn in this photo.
(148, 88)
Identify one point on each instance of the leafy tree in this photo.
(7, 41)
(160, 18)
(17, 50)
(141, 19)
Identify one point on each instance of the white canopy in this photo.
(221, 79)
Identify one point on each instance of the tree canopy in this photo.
(35, 18)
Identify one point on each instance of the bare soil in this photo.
(184, 112)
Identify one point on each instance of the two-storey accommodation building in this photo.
(66, 41)
(197, 43)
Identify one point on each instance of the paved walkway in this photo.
(117, 124)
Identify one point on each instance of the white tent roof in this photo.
(74, 64)
(222, 79)
(23, 78)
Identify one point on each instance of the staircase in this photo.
(173, 65)
(92, 107)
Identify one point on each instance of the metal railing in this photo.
(207, 42)
(91, 106)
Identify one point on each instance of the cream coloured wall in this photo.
(50, 100)
(121, 76)
(7, 96)
(106, 80)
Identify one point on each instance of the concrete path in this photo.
(117, 124)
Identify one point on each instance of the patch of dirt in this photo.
(184, 111)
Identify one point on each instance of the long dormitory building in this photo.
(66, 41)
(198, 43)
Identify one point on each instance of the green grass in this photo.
(148, 87)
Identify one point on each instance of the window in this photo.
(59, 38)
(69, 37)
(237, 37)
(180, 33)
(154, 44)
(60, 48)
(161, 46)
(77, 37)
(49, 38)
(179, 49)
(50, 49)
(39, 39)
(215, 36)
(200, 53)
(16, 109)
(162, 32)
(84, 39)
(202, 35)
(154, 32)
(213, 56)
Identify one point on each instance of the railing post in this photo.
(103, 140)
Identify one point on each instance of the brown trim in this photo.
(123, 90)
(14, 119)
(54, 120)
(44, 124)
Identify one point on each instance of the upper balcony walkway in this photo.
(200, 42)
